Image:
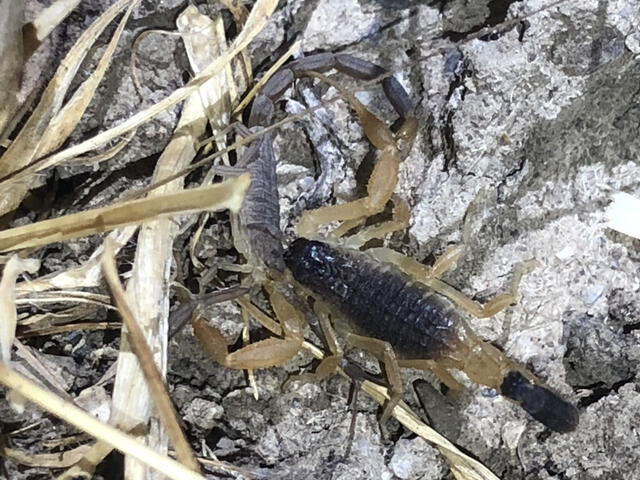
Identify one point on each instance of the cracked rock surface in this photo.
(525, 134)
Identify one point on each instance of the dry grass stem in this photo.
(148, 288)
(255, 22)
(46, 460)
(39, 134)
(11, 58)
(50, 17)
(224, 195)
(89, 274)
(152, 375)
(77, 417)
(14, 267)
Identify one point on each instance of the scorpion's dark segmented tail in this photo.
(540, 402)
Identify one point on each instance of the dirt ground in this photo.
(525, 135)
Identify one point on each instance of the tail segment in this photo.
(540, 402)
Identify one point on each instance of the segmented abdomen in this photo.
(260, 212)
(376, 300)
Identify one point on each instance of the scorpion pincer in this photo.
(380, 302)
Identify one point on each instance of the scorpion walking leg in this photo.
(414, 268)
(183, 313)
(438, 370)
(400, 221)
(246, 340)
(330, 363)
(319, 322)
(404, 137)
(429, 277)
(494, 305)
(384, 352)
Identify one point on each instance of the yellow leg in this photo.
(384, 352)
(265, 353)
(329, 364)
(412, 267)
(429, 277)
(400, 221)
(439, 371)
(246, 340)
(379, 190)
(493, 306)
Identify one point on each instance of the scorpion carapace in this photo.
(379, 301)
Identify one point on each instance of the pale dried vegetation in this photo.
(35, 149)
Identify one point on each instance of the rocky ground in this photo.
(525, 134)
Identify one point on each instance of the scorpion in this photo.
(255, 228)
(382, 301)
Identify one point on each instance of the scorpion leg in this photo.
(183, 313)
(434, 367)
(405, 134)
(382, 181)
(429, 277)
(330, 363)
(400, 221)
(493, 306)
(321, 325)
(414, 268)
(384, 352)
(246, 340)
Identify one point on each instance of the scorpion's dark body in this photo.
(378, 301)
(375, 299)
